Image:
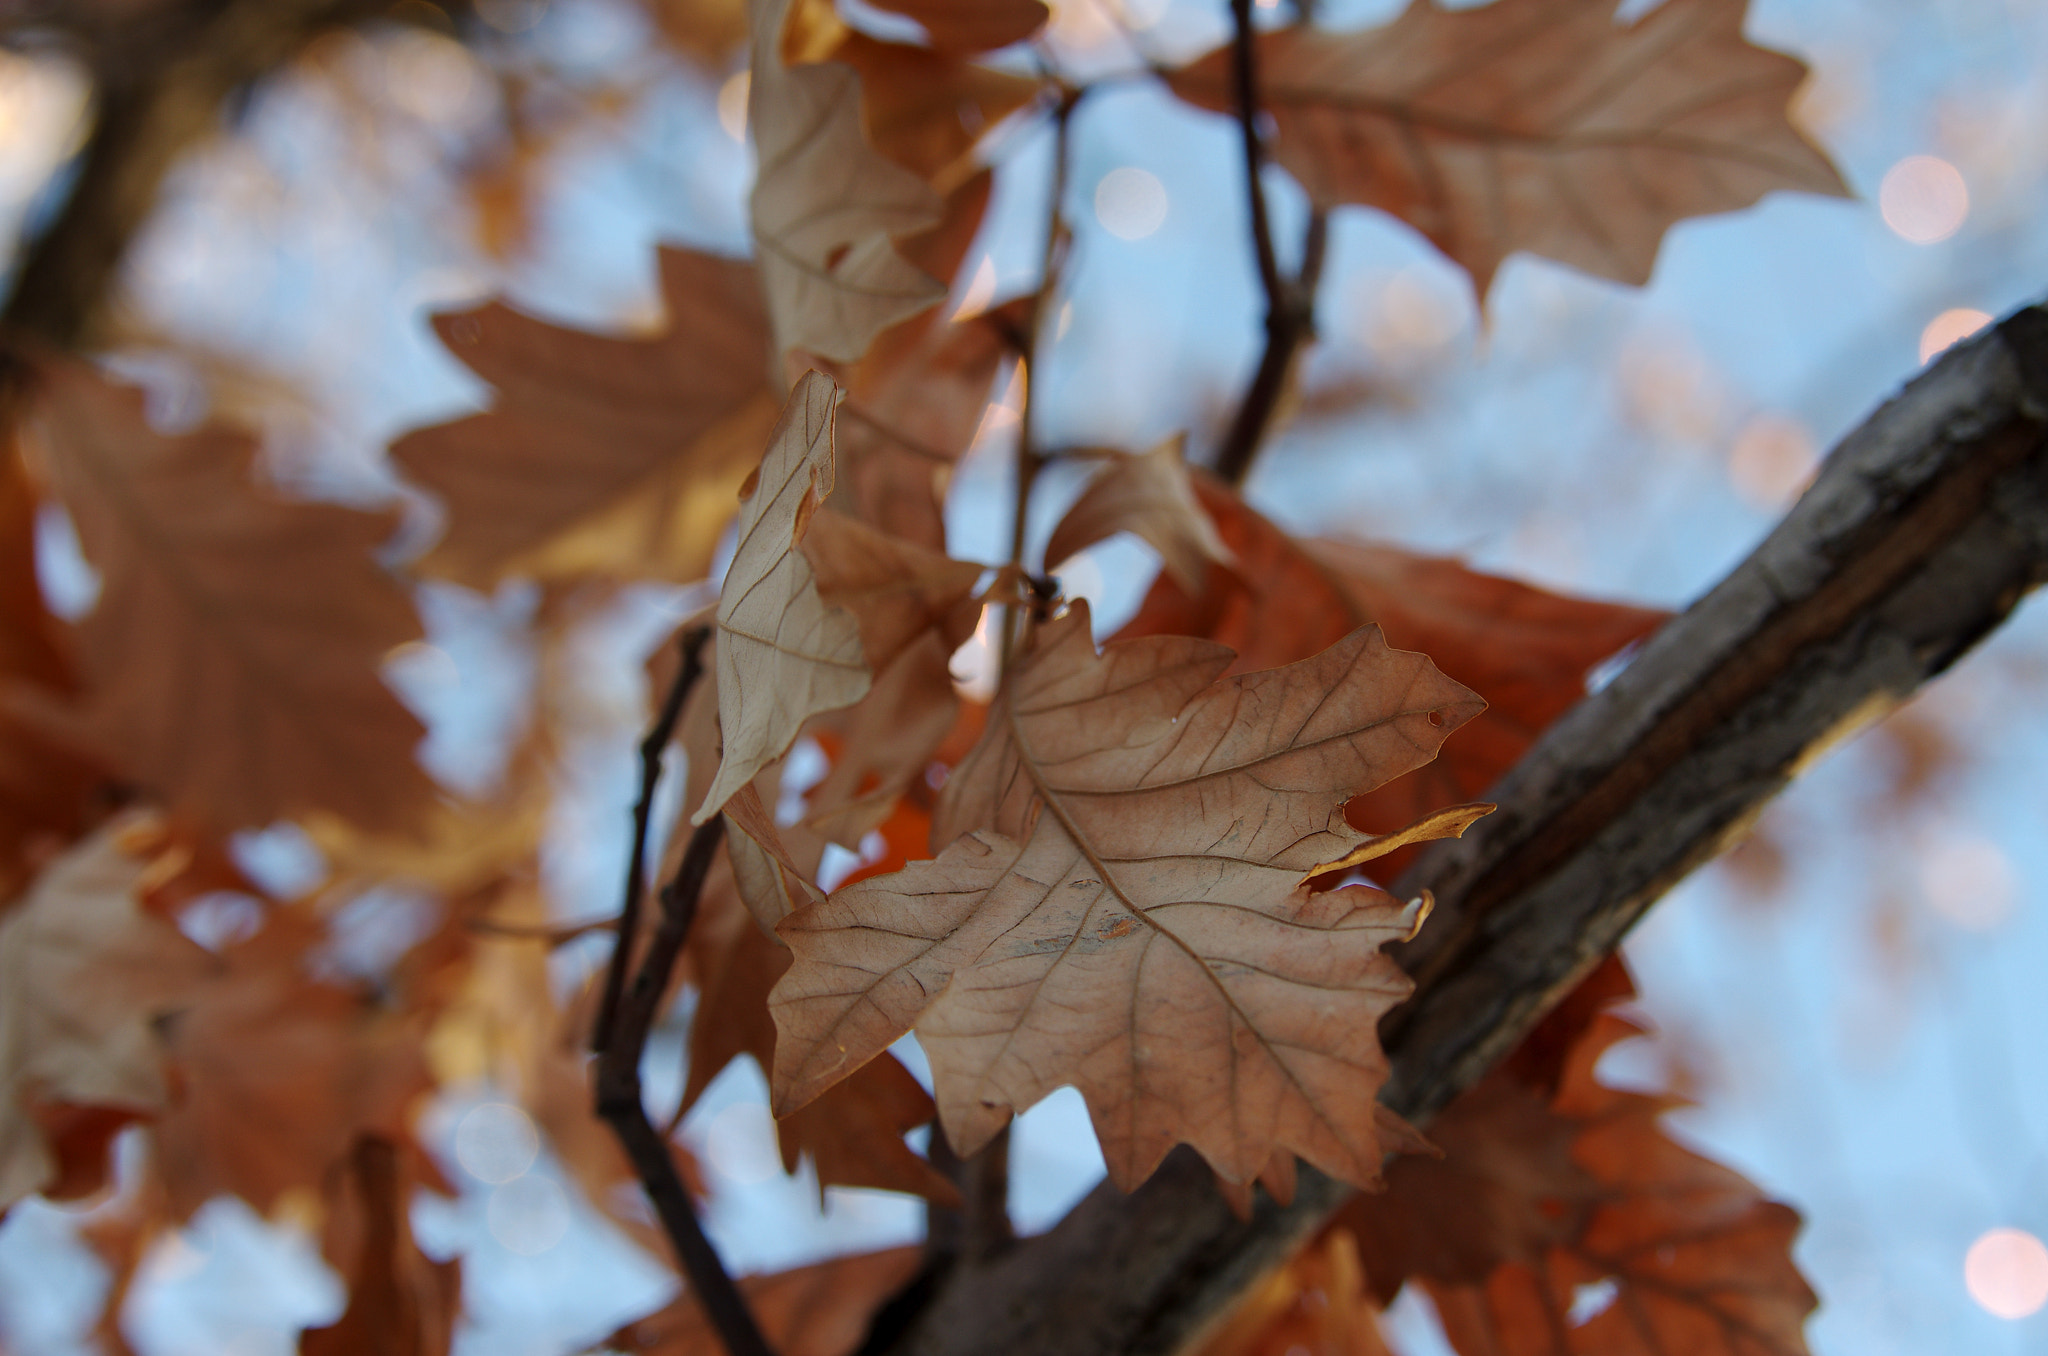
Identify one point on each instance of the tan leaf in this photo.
(1149, 496)
(973, 25)
(886, 742)
(1125, 911)
(84, 974)
(827, 206)
(1526, 651)
(231, 661)
(400, 1303)
(820, 1310)
(1315, 1305)
(277, 1073)
(705, 29)
(854, 1133)
(772, 875)
(1537, 125)
(609, 456)
(784, 654)
(896, 590)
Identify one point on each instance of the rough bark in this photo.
(1925, 528)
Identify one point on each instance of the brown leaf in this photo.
(1543, 1206)
(1537, 125)
(277, 1073)
(973, 25)
(784, 654)
(886, 742)
(84, 975)
(774, 876)
(1121, 907)
(820, 1310)
(827, 206)
(1315, 1305)
(705, 29)
(896, 590)
(400, 1302)
(609, 456)
(1526, 651)
(854, 1133)
(926, 110)
(1151, 497)
(231, 661)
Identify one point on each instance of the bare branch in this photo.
(1925, 529)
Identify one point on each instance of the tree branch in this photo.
(652, 747)
(1926, 527)
(619, 1102)
(1290, 302)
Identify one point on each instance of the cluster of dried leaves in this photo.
(1139, 870)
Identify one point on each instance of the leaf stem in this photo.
(1290, 302)
(620, 1104)
(691, 646)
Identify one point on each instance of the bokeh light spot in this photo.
(1923, 199)
(1950, 327)
(528, 1215)
(496, 1143)
(739, 1144)
(436, 80)
(1130, 203)
(1968, 880)
(511, 16)
(2006, 1271)
(1771, 461)
(732, 105)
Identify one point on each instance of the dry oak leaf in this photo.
(1561, 1201)
(1525, 650)
(1151, 496)
(1315, 1305)
(231, 661)
(84, 975)
(608, 456)
(1121, 907)
(275, 1073)
(972, 25)
(784, 654)
(400, 1301)
(1537, 125)
(819, 1310)
(827, 206)
(927, 111)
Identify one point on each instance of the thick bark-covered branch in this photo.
(1925, 528)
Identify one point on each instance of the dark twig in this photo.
(619, 1102)
(691, 646)
(1290, 302)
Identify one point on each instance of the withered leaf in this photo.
(1525, 650)
(1316, 1303)
(925, 110)
(1120, 906)
(1538, 1198)
(1150, 496)
(231, 661)
(278, 1072)
(820, 1310)
(616, 457)
(827, 206)
(784, 654)
(854, 1133)
(973, 25)
(1537, 125)
(400, 1302)
(84, 974)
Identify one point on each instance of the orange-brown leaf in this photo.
(400, 1302)
(1121, 907)
(973, 25)
(1315, 1305)
(600, 455)
(1537, 125)
(821, 1310)
(231, 662)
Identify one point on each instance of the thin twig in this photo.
(1290, 302)
(691, 646)
(620, 1104)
